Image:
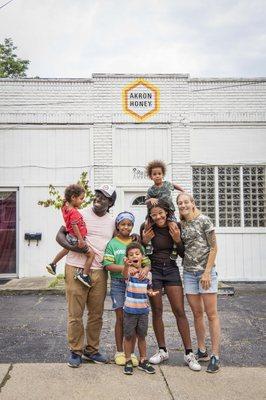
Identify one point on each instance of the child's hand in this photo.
(81, 243)
(153, 201)
(152, 293)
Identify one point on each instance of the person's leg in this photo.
(142, 348)
(176, 299)
(59, 256)
(210, 305)
(197, 307)
(119, 329)
(90, 257)
(157, 320)
(95, 305)
(76, 296)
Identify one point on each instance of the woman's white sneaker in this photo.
(191, 361)
(159, 357)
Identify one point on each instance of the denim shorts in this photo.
(192, 283)
(118, 292)
(73, 240)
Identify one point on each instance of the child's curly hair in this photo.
(155, 164)
(134, 245)
(73, 190)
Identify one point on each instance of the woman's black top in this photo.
(163, 244)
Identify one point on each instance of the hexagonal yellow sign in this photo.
(141, 99)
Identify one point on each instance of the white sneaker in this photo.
(191, 361)
(160, 356)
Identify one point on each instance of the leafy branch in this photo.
(56, 200)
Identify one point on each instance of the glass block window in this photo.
(254, 196)
(232, 196)
(229, 196)
(204, 190)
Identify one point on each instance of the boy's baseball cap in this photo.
(108, 191)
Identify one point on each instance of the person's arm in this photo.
(146, 234)
(206, 276)
(178, 187)
(174, 231)
(81, 242)
(126, 267)
(114, 268)
(61, 239)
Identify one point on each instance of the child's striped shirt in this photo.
(136, 301)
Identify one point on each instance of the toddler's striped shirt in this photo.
(136, 301)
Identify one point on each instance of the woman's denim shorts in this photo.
(118, 292)
(192, 285)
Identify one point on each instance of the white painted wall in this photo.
(228, 145)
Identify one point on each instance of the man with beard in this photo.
(100, 226)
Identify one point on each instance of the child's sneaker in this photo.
(214, 365)
(174, 255)
(51, 268)
(202, 356)
(128, 368)
(146, 367)
(149, 249)
(85, 279)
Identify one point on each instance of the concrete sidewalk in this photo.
(100, 382)
(56, 285)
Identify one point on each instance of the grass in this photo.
(57, 280)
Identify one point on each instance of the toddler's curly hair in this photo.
(73, 190)
(155, 164)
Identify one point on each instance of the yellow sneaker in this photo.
(120, 358)
(134, 360)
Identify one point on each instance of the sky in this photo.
(73, 39)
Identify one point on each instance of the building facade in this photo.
(210, 132)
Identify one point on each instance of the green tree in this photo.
(10, 65)
(56, 199)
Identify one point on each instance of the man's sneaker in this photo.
(128, 368)
(97, 358)
(134, 360)
(191, 361)
(120, 358)
(202, 356)
(160, 356)
(149, 249)
(86, 280)
(146, 366)
(51, 268)
(214, 365)
(74, 360)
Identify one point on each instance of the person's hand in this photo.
(205, 280)
(153, 201)
(174, 232)
(135, 237)
(81, 243)
(143, 272)
(152, 293)
(147, 235)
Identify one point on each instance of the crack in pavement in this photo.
(6, 377)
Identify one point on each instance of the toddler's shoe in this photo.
(174, 255)
(146, 367)
(120, 358)
(128, 368)
(51, 268)
(86, 280)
